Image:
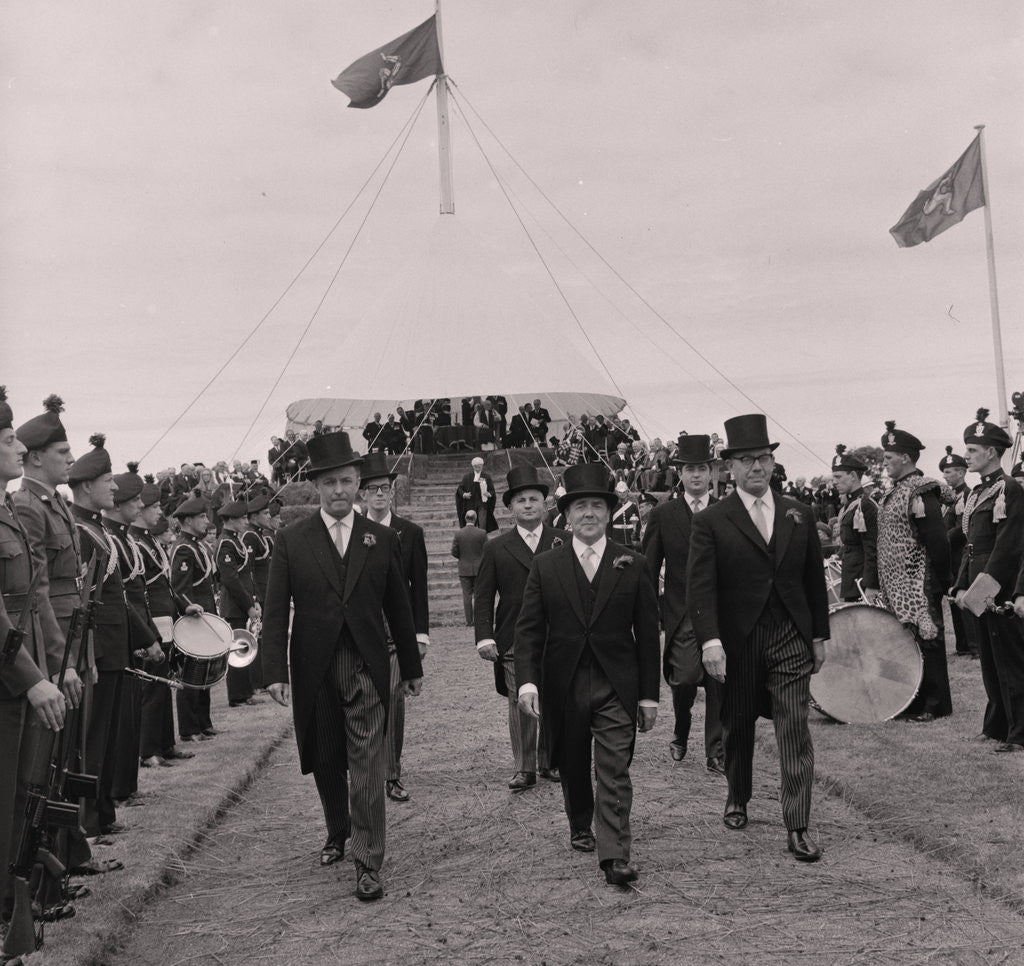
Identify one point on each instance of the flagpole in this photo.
(444, 133)
(997, 337)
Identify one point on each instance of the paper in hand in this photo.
(981, 594)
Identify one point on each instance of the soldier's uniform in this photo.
(624, 524)
(192, 578)
(993, 523)
(259, 542)
(858, 531)
(964, 622)
(237, 594)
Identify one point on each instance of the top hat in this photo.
(984, 433)
(375, 467)
(522, 478)
(900, 441)
(746, 432)
(330, 452)
(40, 431)
(587, 479)
(845, 460)
(952, 459)
(692, 450)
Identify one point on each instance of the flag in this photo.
(945, 202)
(405, 60)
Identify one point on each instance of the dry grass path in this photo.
(475, 875)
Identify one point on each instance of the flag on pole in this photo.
(945, 202)
(405, 60)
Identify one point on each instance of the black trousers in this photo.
(156, 732)
(965, 630)
(101, 748)
(193, 712)
(683, 697)
(125, 781)
(1001, 652)
(934, 696)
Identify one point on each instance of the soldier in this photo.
(913, 565)
(192, 575)
(954, 469)
(258, 539)
(858, 528)
(993, 523)
(238, 601)
(624, 524)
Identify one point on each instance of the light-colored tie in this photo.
(531, 541)
(590, 563)
(697, 506)
(760, 520)
(340, 539)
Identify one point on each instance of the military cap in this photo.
(93, 464)
(900, 441)
(232, 510)
(162, 526)
(6, 416)
(150, 494)
(40, 431)
(276, 506)
(983, 433)
(952, 459)
(1018, 470)
(192, 507)
(845, 460)
(257, 505)
(129, 485)
(649, 498)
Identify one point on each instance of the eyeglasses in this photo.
(747, 462)
(379, 488)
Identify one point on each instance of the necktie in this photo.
(340, 540)
(697, 506)
(760, 520)
(531, 541)
(590, 563)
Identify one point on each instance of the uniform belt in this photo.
(973, 550)
(16, 602)
(65, 587)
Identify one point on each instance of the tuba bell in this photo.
(246, 643)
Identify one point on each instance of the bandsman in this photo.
(239, 603)
(858, 527)
(258, 539)
(954, 468)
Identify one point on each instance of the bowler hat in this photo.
(375, 467)
(522, 478)
(584, 480)
(330, 452)
(746, 432)
(691, 450)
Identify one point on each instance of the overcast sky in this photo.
(168, 169)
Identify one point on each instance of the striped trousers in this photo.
(350, 722)
(775, 661)
(396, 719)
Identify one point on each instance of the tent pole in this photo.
(444, 133)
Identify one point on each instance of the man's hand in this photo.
(648, 716)
(193, 610)
(818, 647)
(72, 687)
(529, 703)
(254, 612)
(959, 599)
(1018, 607)
(713, 659)
(412, 687)
(155, 652)
(489, 652)
(871, 594)
(47, 701)
(279, 692)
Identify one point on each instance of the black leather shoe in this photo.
(175, 755)
(155, 761)
(522, 780)
(396, 791)
(923, 718)
(735, 816)
(803, 848)
(618, 872)
(582, 840)
(549, 774)
(677, 750)
(188, 738)
(54, 913)
(368, 886)
(717, 765)
(114, 828)
(1007, 748)
(331, 853)
(982, 738)
(209, 732)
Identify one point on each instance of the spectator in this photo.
(467, 548)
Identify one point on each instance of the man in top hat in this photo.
(497, 599)
(858, 527)
(913, 565)
(588, 630)
(994, 525)
(239, 602)
(667, 543)
(756, 596)
(193, 573)
(377, 481)
(343, 573)
(954, 471)
(476, 492)
(624, 523)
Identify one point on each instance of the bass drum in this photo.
(872, 668)
(199, 657)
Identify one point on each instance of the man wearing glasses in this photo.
(757, 598)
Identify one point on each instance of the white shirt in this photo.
(524, 533)
(333, 524)
(769, 507)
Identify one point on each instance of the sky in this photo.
(168, 169)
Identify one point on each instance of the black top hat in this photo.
(330, 452)
(984, 433)
(900, 441)
(845, 460)
(692, 449)
(952, 459)
(375, 467)
(746, 432)
(522, 478)
(587, 479)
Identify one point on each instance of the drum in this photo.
(199, 656)
(872, 668)
(833, 580)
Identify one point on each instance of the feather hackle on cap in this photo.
(949, 450)
(97, 440)
(133, 467)
(53, 403)
(149, 478)
(3, 394)
(982, 415)
(840, 448)
(890, 425)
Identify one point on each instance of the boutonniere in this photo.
(621, 563)
(794, 514)
(556, 543)
(369, 540)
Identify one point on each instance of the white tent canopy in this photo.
(455, 322)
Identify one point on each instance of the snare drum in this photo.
(199, 656)
(872, 668)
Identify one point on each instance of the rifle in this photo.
(16, 635)
(44, 810)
